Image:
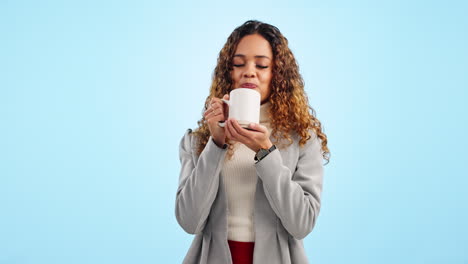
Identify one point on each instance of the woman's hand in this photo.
(254, 139)
(218, 111)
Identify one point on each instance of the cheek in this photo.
(267, 84)
(266, 78)
(234, 76)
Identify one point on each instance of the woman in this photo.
(252, 195)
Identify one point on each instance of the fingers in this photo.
(214, 116)
(213, 109)
(212, 112)
(235, 131)
(217, 107)
(215, 112)
(258, 127)
(240, 130)
(218, 101)
(231, 132)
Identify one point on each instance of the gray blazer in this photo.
(287, 202)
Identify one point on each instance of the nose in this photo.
(250, 71)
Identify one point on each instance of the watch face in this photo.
(262, 153)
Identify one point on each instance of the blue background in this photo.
(95, 97)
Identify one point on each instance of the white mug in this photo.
(244, 106)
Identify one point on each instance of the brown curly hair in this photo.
(289, 111)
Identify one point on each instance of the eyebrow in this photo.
(257, 56)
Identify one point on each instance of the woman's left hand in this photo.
(254, 139)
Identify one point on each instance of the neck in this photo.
(264, 112)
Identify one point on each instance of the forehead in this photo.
(254, 45)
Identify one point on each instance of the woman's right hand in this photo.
(218, 111)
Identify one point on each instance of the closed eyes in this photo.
(241, 65)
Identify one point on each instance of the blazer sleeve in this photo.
(294, 196)
(198, 183)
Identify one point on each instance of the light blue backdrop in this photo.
(95, 97)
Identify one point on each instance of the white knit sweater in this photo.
(240, 180)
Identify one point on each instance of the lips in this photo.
(248, 85)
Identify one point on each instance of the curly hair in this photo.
(290, 111)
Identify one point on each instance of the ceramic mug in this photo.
(244, 106)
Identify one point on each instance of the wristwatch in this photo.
(263, 153)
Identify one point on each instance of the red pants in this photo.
(241, 252)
